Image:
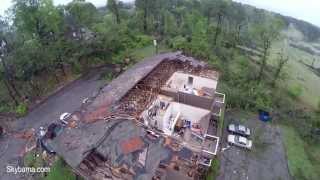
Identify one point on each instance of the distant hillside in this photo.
(310, 31)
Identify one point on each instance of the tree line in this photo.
(38, 38)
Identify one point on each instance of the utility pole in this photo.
(155, 44)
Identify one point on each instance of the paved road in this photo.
(67, 100)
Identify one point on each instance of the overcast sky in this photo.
(307, 10)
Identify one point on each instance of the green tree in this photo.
(220, 12)
(237, 17)
(282, 61)
(84, 14)
(39, 24)
(113, 7)
(145, 7)
(266, 32)
(295, 91)
(170, 27)
(36, 17)
(7, 77)
(199, 45)
(208, 8)
(6, 47)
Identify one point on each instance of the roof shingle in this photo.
(131, 145)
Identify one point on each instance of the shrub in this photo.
(295, 91)
(178, 43)
(5, 108)
(21, 109)
(108, 76)
(76, 68)
(263, 102)
(214, 170)
(143, 40)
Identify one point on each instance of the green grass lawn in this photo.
(31, 160)
(60, 171)
(148, 51)
(300, 164)
(221, 123)
(214, 170)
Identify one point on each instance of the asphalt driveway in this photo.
(267, 159)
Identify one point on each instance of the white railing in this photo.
(219, 113)
(223, 97)
(217, 144)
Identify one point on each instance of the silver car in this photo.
(239, 141)
(239, 129)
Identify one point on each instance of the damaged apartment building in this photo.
(157, 120)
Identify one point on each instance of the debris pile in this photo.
(146, 91)
(28, 134)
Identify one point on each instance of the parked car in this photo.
(64, 117)
(239, 129)
(239, 141)
(46, 146)
(54, 130)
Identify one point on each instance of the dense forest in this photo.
(43, 46)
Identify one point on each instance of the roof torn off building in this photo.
(154, 121)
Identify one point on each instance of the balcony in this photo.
(219, 99)
(217, 111)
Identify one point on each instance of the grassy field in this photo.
(31, 160)
(298, 74)
(60, 171)
(300, 164)
(303, 158)
(148, 51)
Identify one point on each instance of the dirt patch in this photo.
(266, 161)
